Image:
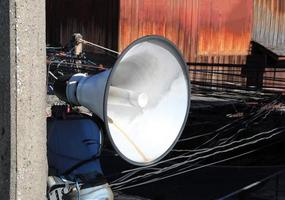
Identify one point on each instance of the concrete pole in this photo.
(23, 163)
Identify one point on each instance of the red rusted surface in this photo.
(208, 31)
(198, 28)
(224, 27)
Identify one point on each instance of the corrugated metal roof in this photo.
(269, 31)
(269, 23)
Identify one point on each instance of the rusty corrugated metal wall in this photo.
(170, 18)
(206, 31)
(96, 20)
(197, 27)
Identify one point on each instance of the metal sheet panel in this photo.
(198, 27)
(269, 26)
(224, 27)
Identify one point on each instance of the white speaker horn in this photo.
(143, 100)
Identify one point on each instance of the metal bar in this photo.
(99, 46)
(216, 64)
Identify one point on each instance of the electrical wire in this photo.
(179, 173)
(208, 155)
(98, 46)
(199, 152)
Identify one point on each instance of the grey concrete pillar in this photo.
(23, 165)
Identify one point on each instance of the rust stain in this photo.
(224, 27)
(208, 31)
(225, 43)
(208, 27)
(176, 20)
